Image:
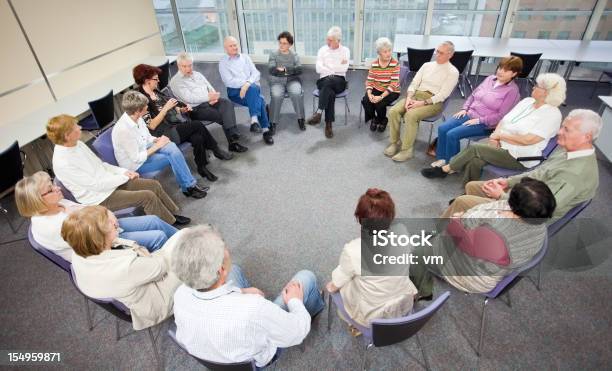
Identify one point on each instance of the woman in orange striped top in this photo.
(382, 86)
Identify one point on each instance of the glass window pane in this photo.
(167, 27)
(312, 19)
(464, 24)
(387, 23)
(556, 5)
(396, 4)
(604, 28)
(204, 23)
(539, 25)
(263, 21)
(467, 5)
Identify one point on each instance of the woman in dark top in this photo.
(165, 118)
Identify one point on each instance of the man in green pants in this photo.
(432, 84)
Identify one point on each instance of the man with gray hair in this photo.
(221, 318)
(192, 88)
(570, 172)
(431, 86)
(332, 64)
(137, 150)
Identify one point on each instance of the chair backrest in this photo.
(418, 57)
(529, 62)
(214, 366)
(51, 256)
(12, 167)
(103, 109)
(65, 192)
(510, 279)
(437, 117)
(550, 147)
(565, 219)
(104, 146)
(461, 59)
(391, 331)
(164, 76)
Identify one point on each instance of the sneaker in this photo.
(255, 128)
(433, 172)
(392, 149)
(402, 156)
(438, 163)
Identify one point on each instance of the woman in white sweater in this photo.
(371, 297)
(36, 197)
(138, 279)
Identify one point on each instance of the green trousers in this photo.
(412, 117)
(472, 159)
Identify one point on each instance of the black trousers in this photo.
(377, 111)
(196, 133)
(221, 112)
(328, 88)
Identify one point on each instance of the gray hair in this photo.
(335, 32)
(133, 101)
(183, 57)
(590, 121)
(450, 45)
(555, 87)
(382, 43)
(197, 256)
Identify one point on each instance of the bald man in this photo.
(242, 81)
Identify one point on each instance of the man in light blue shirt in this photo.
(241, 79)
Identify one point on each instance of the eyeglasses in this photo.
(155, 79)
(51, 190)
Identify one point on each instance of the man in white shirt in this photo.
(221, 318)
(193, 88)
(332, 64)
(93, 182)
(431, 86)
(137, 150)
(570, 172)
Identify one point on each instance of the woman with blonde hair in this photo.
(138, 279)
(37, 198)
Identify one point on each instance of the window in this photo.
(563, 35)
(388, 17)
(518, 34)
(204, 23)
(466, 17)
(263, 21)
(167, 27)
(605, 25)
(541, 19)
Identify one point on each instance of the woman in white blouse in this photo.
(36, 197)
(370, 297)
(138, 279)
(523, 132)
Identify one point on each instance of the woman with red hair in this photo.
(370, 297)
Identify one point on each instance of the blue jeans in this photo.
(171, 155)
(254, 101)
(148, 231)
(450, 134)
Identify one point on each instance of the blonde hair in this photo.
(59, 126)
(27, 194)
(85, 230)
(555, 88)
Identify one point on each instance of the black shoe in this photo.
(237, 147)
(222, 155)
(205, 173)
(255, 128)
(381, 127)
(302, 124)
(434, 172)
(181, 220)
(196, 192)
(373, 125)
(235, 136)
(273, 128)
(267, 137)
(450, 202)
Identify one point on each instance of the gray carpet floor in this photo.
(288, 207)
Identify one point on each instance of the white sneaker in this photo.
(438, 163)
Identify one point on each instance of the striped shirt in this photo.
(384, 78)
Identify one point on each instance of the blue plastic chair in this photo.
(48, 254)
(384, 332)
(568, 217)
(344, 95)
(238, 366)
(492, 172)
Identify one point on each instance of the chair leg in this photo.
(10, 223)
(88, 314)
(431, 126)
(330, 303)
(460, 85)
(423, 352)
(118, 334)
(313, 104)
(360, 112)
(364, 362)
(346, 111)
(482, 326)
(155, 351)
(539, 276)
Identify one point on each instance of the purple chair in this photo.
(504, 286)
(563, 221)
(344, 94)
(214, 366)
(384, 332)
(499, 172)
(432, 120)
(48, 254)
(122, 213)
(117, 310)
